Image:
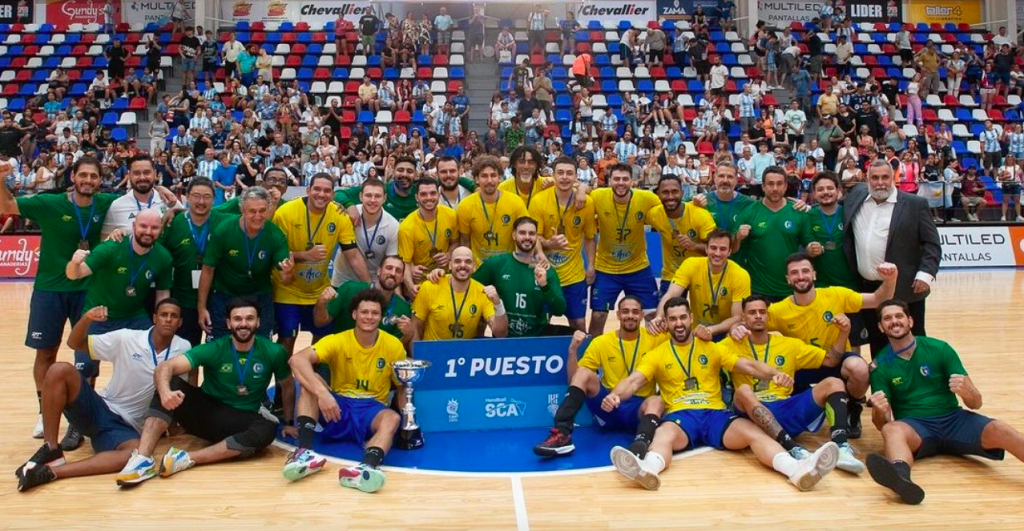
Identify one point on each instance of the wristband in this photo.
(499, 309)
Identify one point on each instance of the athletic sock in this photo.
(654, 462)
(785, 464)
(645, 430)
(785, 440)
(307, 427)
(373, 456)
(902, 468)
(567, 410)
(839, 421)
(39, 398)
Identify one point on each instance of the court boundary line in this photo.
(519, 502)
(454, 474)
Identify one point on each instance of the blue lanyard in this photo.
(201, 239)
(251, 255)
(830, 227)
(83, 228)
(242, 370)
(366, 234)
(132, 272)
(152, 349)
(904, 349)
(432, 236)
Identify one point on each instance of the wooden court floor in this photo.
(978, 312)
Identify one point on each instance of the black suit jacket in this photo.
(913, 244)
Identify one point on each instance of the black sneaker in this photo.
(557, 444)
(885, 474)
(639, 447)
(72, 439)
(35, 475)
(44, 456)
(854, 408)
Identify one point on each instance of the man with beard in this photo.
(622, 264)
(716, 287)
(807, 315)
(225, 410)
(917, 381)
(526, 182)
(887, 225)
(453, 188)
(694, 412)
(124, 273)
(427, 236)
(376, 237)
(826, 237)
(769, 231)
(400, 200)
(796, 413)
(355, 405)
(143, 196)
(566, 233)
(485, 217)
(332, 307)
(68, 222)
(725, 205)
(238, 262)
(439, 312)
(312, 229)
(111, 419)
(529, 288)
(687, 229)
(609, 353)
(186, 238)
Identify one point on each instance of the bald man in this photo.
(453, 306)
(124, 272)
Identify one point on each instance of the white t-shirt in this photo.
(124, 209)
(384, 243)
(131, 386)
(718, 73)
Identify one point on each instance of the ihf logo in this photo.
(453, 410)
(553, 403)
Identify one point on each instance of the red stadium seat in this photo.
(658, 72)
(299, 49)
(343, 60)
(950, 101)
(425, 72)
(293, 61)
(454, 85)
(582, 47)
(374, 72)
(346, 132)
(707, 148)
(402, 117)
(302, 26)
(689, 114)
(439, 60)
(289, 37)
(258, 26)
(995, 115)
(322, 73)
(678, 85)
(23, 75)
(351, 87)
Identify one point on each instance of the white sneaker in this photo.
(1020, 218)
(1002, 218)
(800, 453)
(847, 461)
(814, 468)
(629, 465)
(174, 461)
(37, 432)
(954, 220)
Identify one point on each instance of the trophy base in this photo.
(409, 439)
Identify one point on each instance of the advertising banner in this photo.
(146, 11)
(486, 384)
(967, 246)
(610, 12)
(781, 14)
(66, 12)
(874, 10)
(683, 9)
(943, 11)
(279, 10)
(16, 11)
(19, 255)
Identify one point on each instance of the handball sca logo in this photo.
(331, 227)
(576, 220)
(472, 309)
(506, 219)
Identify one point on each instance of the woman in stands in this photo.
(1010, 177)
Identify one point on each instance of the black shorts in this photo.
(209, 65)
(956, 433)
(204, 416)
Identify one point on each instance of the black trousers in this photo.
(209, 418)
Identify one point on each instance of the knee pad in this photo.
(255, 438)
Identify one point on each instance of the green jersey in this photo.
(187, 242)
(231, 206)
(831, 267)
(398, 206)
(123, 279)
(918, 387)
(773, 237)
(339, 312)
(725, 213)
(528, 305)
(244, 264)
(239, 379)
(62, 223)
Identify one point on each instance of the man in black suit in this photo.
(883, 224)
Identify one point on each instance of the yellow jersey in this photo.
(528, 197)
(489, 226)
(622, 246)
(813, 323)
(785, 354)
(357, 371)
(301, 229)
(688, 375)
(437, 304)
(617, 358)
(695, 223)
(576, 225)
(712, 295)
(417, 237)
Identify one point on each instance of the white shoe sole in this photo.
(626, 462)
(37, 432)
(817, 467)
(851, 465)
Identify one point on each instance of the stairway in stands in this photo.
(481, 83)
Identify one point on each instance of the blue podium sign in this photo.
(487, 384)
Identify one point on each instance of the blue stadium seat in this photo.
(310, 61)
(109, 119)
(563, 100)
(563, 116)
(119, 134)
(365, 117)
(304, 37)
(391, 73)
(457, 72)
(977, 129)
(583, 36)
(625, 25)
(963, 115)
(559, 73)
(645, 85)
(609, 86)
(340, 73)
(78, 90)
(51, 63)
(613, 48)
(673, 72)
(558, 85)
(601, 60)
(315, 49)
(119, 104)
(242, 25)
(607, 72)
(694, 86)
(17, 104)
(304, 74)
(40, 76)
(28, 90)
(373, 61)
(614, 101)
(418, 117)
(668, 26)
(595, 25)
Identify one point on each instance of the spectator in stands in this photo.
(569, 27)
(718, 75)
(116, 55)
(520, 78)
(1009, 177)
(537, 23)
(929, 61)
(844, 51)
(815, 49)
(229, 55)
(992, 148)
(178, 16)
(369, 26)
(629, 47)
(247, 65)
(544, 92)
(342, 29)
(505, 46)
(443, 23)
(188, 50)
(475, 34)
(367, 96)
(656, 43)
(581, 72)
(972, 195)
(825, 15)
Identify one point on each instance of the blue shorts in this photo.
(188, 64)
(624, 417)
(89, 367)
(956, 433)
(356, 420)
(218, 308)
(608, 287)
(804, 379)
(47, 313)
(576, 300)
(663, 286)
(294, 317)
(798, 413)
(703, 427)
(94, 419)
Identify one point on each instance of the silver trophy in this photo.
(409, 371)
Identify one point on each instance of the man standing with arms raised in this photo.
(566, 233)
(486, 216)
(68, 222)
(426, 236)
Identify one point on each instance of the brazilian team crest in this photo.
(506, 219)
(702, 359)
(926, 371)
(780, 361)
(257, 368)
(576, 220)
(472, 309)
(331, 227)
(448, 233)
(380, 364)
(149, 274)
(262, 255)
(827, 316)
(639, 216)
